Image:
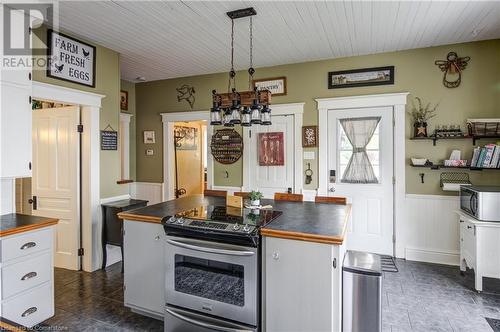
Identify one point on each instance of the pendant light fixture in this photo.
(245, 107)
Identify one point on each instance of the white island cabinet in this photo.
(302, 285)
(27, 276)
(479, 248)
(144, 267)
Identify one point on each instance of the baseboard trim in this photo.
(430, 256)
(114, 198)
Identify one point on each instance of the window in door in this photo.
(345, 151)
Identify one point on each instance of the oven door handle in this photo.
(203, 324)
(210, 250)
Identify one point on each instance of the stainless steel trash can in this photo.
(361, 292)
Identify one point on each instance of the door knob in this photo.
(276, 255)
(332, 189)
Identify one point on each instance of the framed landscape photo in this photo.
(70, 59)
(309, 136)
(124, 100)
(361, 77)
(276, 85)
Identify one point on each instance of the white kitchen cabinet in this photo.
(15, 120)
(15, 104)
(302, 285)
(27, 276)
(144, 267)
(479, 248)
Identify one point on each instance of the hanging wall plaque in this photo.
(70, 59)
(271, 149)
(226, 146)
(109, 139)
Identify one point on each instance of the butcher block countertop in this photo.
(306, 221)
(14, 223)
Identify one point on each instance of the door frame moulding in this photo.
(398, 103)
(297, 110)
(168, 120)
(90, 106)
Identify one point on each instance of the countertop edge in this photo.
(310, 237)
(139, 217)
(22, 229)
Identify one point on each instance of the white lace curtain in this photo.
(359, 131)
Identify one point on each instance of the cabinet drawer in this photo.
(25, 244)
(24, 275)
(30, 308)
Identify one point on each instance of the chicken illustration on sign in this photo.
(271, 149)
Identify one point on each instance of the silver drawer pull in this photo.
(28, 245)
(29, 311)
(29, 275)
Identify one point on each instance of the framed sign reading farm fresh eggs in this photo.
(70, 59)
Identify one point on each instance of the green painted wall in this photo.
(108, 84)
(477, 96)
(130, 88)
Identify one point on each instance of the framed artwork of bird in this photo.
(452, 68)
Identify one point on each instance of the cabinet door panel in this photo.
(15, 135)
(144, 272)
(300, 286)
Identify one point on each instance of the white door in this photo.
(367, 182)
(271, 179)
(55, 177)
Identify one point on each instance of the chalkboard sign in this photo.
(109, 140)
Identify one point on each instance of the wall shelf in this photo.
(439, 166)
(434, 139)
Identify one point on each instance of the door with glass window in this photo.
(360, 165)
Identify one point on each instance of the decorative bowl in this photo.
(418, 161)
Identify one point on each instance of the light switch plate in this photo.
(309, 155)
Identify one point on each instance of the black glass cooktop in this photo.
(254, 217)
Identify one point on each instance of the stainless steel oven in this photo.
(216, 279)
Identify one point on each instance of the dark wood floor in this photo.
(94, 302)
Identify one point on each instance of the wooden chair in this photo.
(330, 200)
(243, 194)
(215, 193)
(288, 197)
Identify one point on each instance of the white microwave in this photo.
(481, 202)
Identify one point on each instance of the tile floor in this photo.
(420, 297)
(94, 302)
(432, 297)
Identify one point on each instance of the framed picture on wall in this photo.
(309, 136)
(124, 100)
(361, 77)
(186, 138)
(71, 60)
(276, 85)
(149, 137)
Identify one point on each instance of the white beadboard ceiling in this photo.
(160, 40)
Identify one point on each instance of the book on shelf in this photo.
(487, 156)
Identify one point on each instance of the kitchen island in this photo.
(300, 265)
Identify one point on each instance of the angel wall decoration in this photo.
(186, 92)
(452, 68)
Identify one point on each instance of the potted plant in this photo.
(420, 115)
(255, 197)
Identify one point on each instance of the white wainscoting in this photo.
(309, 195)
(150, 191)
(432, 229)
